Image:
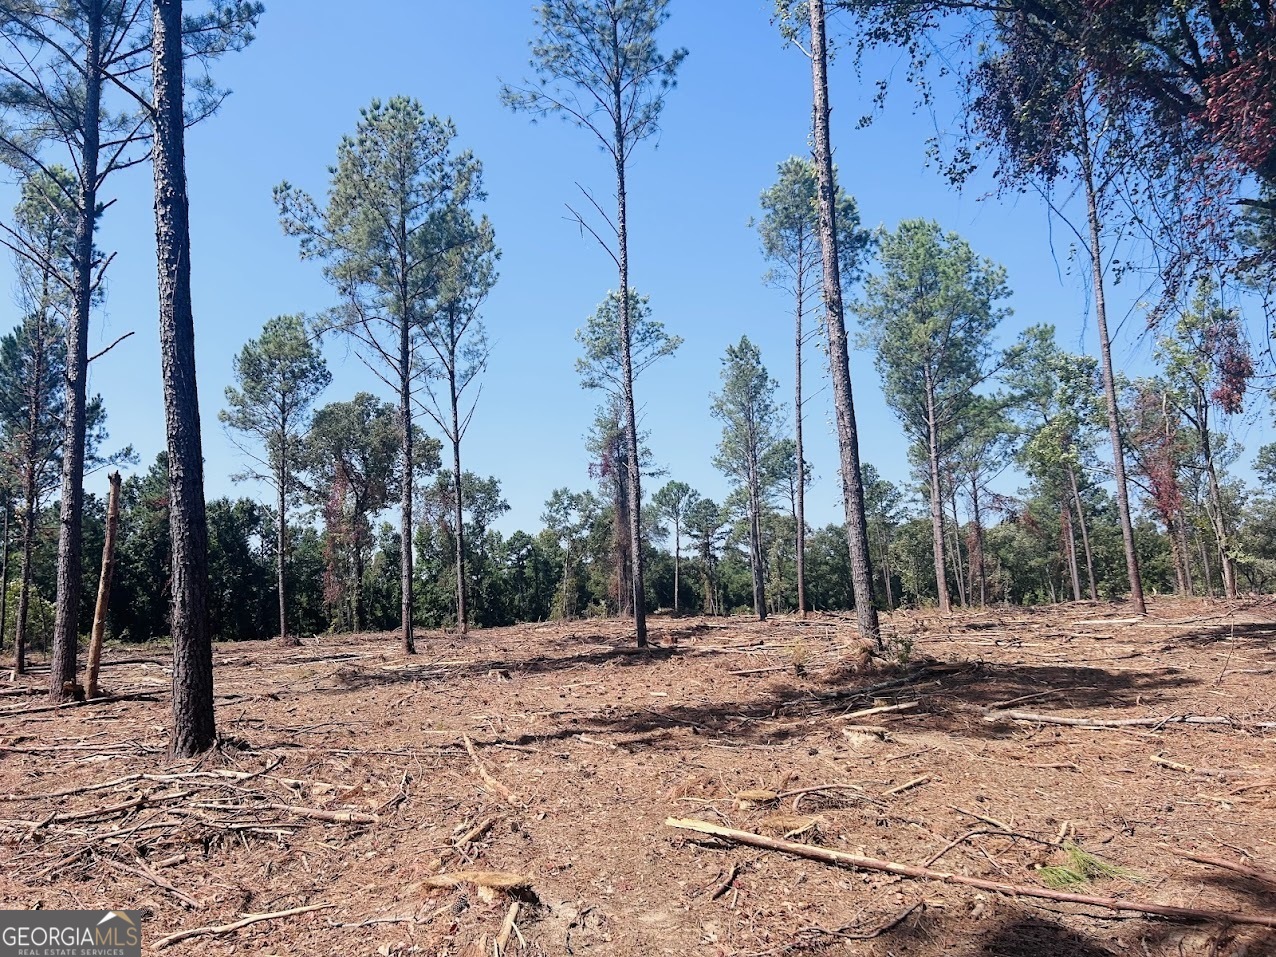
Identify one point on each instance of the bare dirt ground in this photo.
(345, 784)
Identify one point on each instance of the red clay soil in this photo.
(344, 783)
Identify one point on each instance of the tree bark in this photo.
(4, 570)
(886, 573)
(755, 533)
(462, 610)
(281, 550)
(1215, 512)
(406, 463)
(799, 498)
(979, 567)
(1206, 570)
(193, 725)
(936, 500)
(957, 563)
(839, 358)
(1085, 534)
(638, 589)
(91, 689)
(26, 570)
(71, 522)
(1070, 549)
(1180, 535)
(1109, 377)
(677, 554)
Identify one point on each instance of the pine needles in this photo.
(1081, 868)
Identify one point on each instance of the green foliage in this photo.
(279, 375)
(601, 367)
(930, 316)
(40, 612)
(751, 417)
(597, 65)
(789, 232)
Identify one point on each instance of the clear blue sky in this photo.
(741, 106)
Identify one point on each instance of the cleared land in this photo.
(372, 788)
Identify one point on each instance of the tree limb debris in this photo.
(223, 929)
(490, 782)
(1097, 723)
(843, 858)
(1267, 877)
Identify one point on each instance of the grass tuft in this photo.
(1081, 868)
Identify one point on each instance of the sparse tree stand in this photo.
(397, 191)
(461, 350)
(193, 726)
(279, 376)
(839, 358)
(790, 233)
(1085, 157)
(103, 589)
(599, 66)
(750, 419)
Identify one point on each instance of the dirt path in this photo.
(346, 781)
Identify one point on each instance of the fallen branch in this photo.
(979, 817)
(222, 929)
(725, 885)
(141, 870)
(335, 817)
(507, 928)
(1267, 877)
(830, 856)
(1119, 722)
(908, 785)
(108, 699)
(884, 709)
(155, 778)
(491, 782)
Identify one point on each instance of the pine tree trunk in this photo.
(357, 611)
(1215, 512)
(979, 568)
(677, 554)
(936, 500)
(1206, 570)
(1180, 535)
(103, 589)
(281, 545)
(755, 540)
(799, 497)
(26, 570)
(4, 570)
(1109, 377)
(66, 630)
(405, 501)
(458, 514)
(637, 587)
(957, 562)
(193, 725)
(1070, 549)
(839, 358)
(1085, 534)
(886, 573)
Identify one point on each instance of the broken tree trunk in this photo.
(103, 587)
(829, 856)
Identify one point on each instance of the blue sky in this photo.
(741, 106)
